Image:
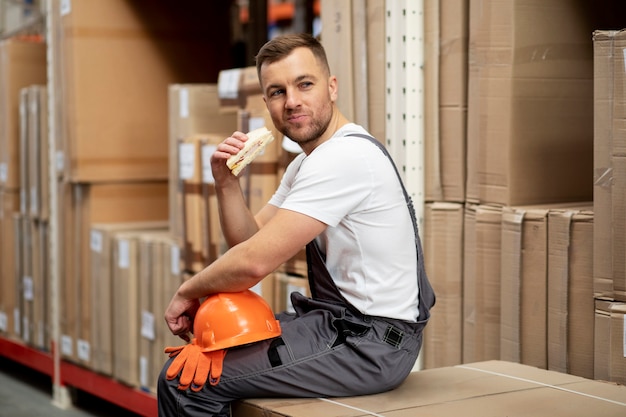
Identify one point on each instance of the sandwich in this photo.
(256, 143)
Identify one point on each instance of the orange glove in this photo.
(195, 364)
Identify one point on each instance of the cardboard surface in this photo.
(115, 62)
(530, 115)
(445, 77)
(193, 109)
(22, 63)
(9, 204)
(443, 258)
(570, 292)
(481, 283)
(491, 388)
(610, 342)
(524, 266)
(603, 67)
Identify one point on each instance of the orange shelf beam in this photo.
(101, 386)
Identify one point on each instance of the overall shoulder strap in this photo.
(427, 295)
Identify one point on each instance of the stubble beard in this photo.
(312, 133)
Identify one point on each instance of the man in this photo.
(361, 331)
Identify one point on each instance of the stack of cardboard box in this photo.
(23, 293)
(110, 66)
(509, 143)
(609, 234)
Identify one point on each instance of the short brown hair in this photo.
(281, 46)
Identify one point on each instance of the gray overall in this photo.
(326, 349)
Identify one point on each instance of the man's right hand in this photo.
(229, 147)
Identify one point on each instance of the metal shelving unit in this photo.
(65, 375)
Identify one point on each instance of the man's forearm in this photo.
(236, 220)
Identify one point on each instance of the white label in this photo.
(183, 99)
(66, 345)
(207, 174)
(256, 123)
(175, 255)
(33, 200)
(147, 325)
(228, 83)
(95, 241)
(41, 334)
(186, 160)
(66, 7)
(25, 327)
(123, 254)
(23, 195)
(4, 322)
(60, 161)
(16, 321)
(143, 371)
(3, 172)
(29, 294)
(83, 350)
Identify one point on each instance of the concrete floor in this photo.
(26, 393)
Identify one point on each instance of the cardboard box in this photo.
(151, 309)
(86, 204)
(114, 111)
(376, 68)
(9, 300)
(618, 166)
(38, 149)
(618, 211)
(443, 259)
(530, 115)
(35, 280)
(609, 358)
(481, 282)
(168, 254)
(24, 154)
(27, 282)
(603, 90)
(127, 319)
(21, 312)
(235, 85)
(201, 233)
(445, 77)
(22, 63)
(570, 291)
(492, 388)
(524, 287)
(341, 46)
(193, 109)
(101, 276)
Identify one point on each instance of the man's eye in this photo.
(276, 93)
(306, 84)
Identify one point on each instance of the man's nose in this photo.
(292, 100)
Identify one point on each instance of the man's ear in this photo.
(332, 87)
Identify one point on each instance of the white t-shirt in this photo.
(350, 185)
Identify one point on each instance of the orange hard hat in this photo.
(233, 319)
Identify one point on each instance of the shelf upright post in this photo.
(60, 393)
(404, 101)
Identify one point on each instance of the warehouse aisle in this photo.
(27, 393)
